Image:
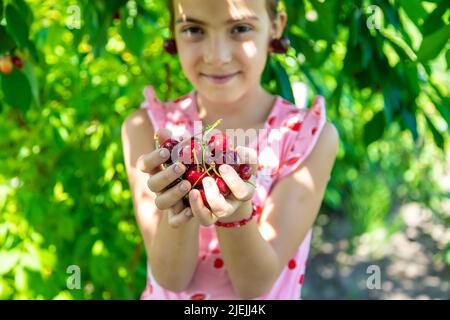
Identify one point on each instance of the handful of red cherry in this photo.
(202, 158)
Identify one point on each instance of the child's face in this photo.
(211, 45)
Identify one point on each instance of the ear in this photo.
(279, 25)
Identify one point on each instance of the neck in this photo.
(250, 110)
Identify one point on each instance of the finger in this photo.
(241, 189)
(178, 207)
(176, 220)
(160, 180)
(199, 210)
(151, 162)
(169, 198)
(219, 206)
(248, 156)
(163, 134)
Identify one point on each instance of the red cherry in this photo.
(186, 201)
(228, 157)
(203, 195)
(195, 176)
(116, 15)
(169, 144)
(223, 188)
(17, 62)
(218, 142)
(280, 45)
(170, 46)
(187, 157)
(244, 171)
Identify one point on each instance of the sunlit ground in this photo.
(411, 261)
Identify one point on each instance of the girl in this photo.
(254, 243)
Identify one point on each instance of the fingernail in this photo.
(223, 168)
(184, 187)
(193, 195)
(163, 153)
(178, 168)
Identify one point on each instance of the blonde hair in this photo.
(271, 5)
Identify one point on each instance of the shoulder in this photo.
(319, 163)
(137, 136)
(137, 122)
(328, 141)
(323, 155)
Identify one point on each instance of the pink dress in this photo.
(290, 135)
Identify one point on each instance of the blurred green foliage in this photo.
(64, 197)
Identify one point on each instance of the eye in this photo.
(192, 31)
(242, 29)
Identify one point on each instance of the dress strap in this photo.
(154, 107)
(301, 141)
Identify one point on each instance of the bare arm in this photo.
(254, 256)
(172, 252)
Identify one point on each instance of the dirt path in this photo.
(409, 263)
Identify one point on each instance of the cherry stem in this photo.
(195, 159)
(195, 183)
(212, 126)
(203, 152)
(213, 165)
(156, 140)
(205, 131)
(251, 183)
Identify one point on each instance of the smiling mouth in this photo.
(220, 78)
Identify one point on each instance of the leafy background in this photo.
(64, 196)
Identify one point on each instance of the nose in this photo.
(217, 51)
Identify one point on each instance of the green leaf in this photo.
(20, 279)
(309, 76)
(24, 10)
(434, 21)
(414, 10)
(16, 90)
(33, 51)
(133, 37)
(6, 42)
(437, 136)
(433, 44)
(443, 110)
(28, 70)
(1, 10)
(284, 85)
(410, 122)
(8, 260)
(447, 57)
(325, 25)
(268, 73)
(100, 38)
(374, 129)
(392, 96)
(16, 26)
